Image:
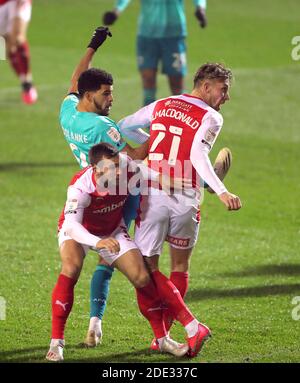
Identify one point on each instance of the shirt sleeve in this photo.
(203, 142)
(69, 102)
(131, 126)
(77, 201)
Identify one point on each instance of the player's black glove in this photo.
(109, 18)
(201, 16)
(99, 36)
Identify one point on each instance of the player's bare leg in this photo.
(72, 257)
(99, 293)
(131, 264)
(197, 333)
(222, 165)
(176, 84)
(180, 260)
(20, 59)
(149, 85)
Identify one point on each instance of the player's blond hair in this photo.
(212, 71)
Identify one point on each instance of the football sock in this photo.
(149, 96)
(62, 302)
(181, 281)
(23, 57)
(150, 306)
(99, 290)
(171, 296)
(20, 59)
(130, 209)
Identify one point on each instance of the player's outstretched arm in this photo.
(200, 14)
(99, 36)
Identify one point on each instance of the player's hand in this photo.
(109, 17)
(231, 201)
(99, 36)
(201, 16)
(110, 244)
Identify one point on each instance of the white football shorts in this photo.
(120, 234)
(8, 12)
(175, 219)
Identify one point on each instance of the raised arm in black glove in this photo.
(201, 16)
(98, 38)
(109, 17)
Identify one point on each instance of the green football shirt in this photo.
(161, 18)
(82, 130)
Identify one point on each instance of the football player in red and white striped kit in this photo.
(183, 130)
(93, 219)
(15, 16)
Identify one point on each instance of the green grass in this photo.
(245, 268)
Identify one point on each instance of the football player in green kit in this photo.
(84, 121)
(161, 37)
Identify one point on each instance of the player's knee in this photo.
(141, 280)
(71, 269)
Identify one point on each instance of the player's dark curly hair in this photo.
(212, 71)
(92, 79)
(100, 151)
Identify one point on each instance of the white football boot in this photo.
(55, 353)
(222, 165)
(169, 345)
(94, 334)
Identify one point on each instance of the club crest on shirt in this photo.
(114, 135)
(210, 136)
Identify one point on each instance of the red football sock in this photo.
(14, 62)
(150, 306)
(62, 302)
(171, 296)
(181, 281)
(24, 57)
(20, 59)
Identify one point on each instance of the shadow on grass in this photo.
(243, 292)
(282, 269)
(37, 355)
(15, 166)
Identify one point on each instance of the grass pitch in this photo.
(245, 268)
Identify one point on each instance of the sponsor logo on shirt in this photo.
(108, 209)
